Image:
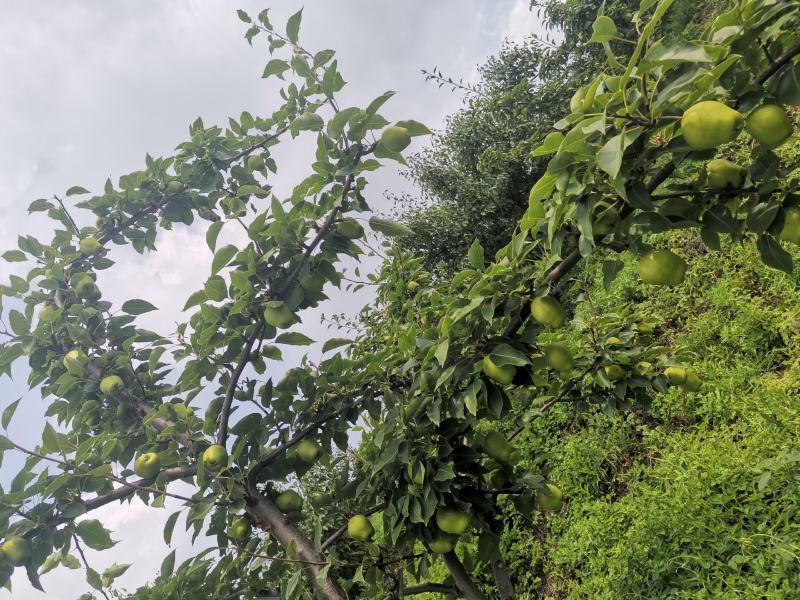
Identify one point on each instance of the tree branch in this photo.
(86, 563)
(461, 578)
(778, 63)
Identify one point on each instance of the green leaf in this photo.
(243, 16)
(112, 572)
(14, 256)
(169, 526)
(293, 26)
(471, 397)
(611, 269)
(389, 227)
(275, 67)
(93, 578)
(773, 255)
(414, 128)
(222, 257)
(475, 255)
(335, 343)
(196, 298)
(19, 324)
(8, 413)
(76, 190)
(506, 355)
(441, 351)
(551, 144)
(603, 30)
(293, 338)
(168, 565)
(609, 157)
(137, 307)
(212, 233)
(95, 535)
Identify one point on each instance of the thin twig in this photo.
(86, 563)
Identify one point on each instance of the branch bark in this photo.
(461, 578)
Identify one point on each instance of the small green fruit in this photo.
(396, 139)
(289, 501)
(87, 289)
(112, 384)
(559, 357)
(451, 520)
(75, 362)
(791, 225)
(723, 174)
(255, 162)
(442, 544)
(675, 375)
(360, 528)
(412, 286)
(502, 375)
(496, 446)
(350, 228)
(174, 186)
(48, 313)
(215, 458)
(709, 124)
(89, 245)
(278, 315)
(662, 267)
(553, 501)
(769, 125)
(318, 499)
(615, 372)
(240, 529)
(147, 465)
(308, 451)
(17, 550)
(693, 382)
(548, 311)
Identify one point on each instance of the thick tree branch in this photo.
(461, 578)
(778, 63)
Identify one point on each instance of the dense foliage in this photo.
(443, 369)
(475, 176)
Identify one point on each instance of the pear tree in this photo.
(441, 375)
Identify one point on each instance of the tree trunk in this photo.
(461, 578)
(505, 588)
(267, 516)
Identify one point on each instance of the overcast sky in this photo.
(90, 86)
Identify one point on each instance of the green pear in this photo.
(48, 313)
(112, 384)
(553, 501)
(615, 372)
(215, 458)
(278, 315)
(147, 465)
(360, 528)
(396, 139)
(693, 383)
(496, 446)
(350, 228)
(17, 550)
(548, 311)
(412, 286)
(675, 375)
(723, 174)
(87, 289)
(75, 362)
(451, 520)
(559, 357)
(791, 225)
(255, 162)
(442, 544)
(662, 267)
(769, 125)
(240, 529)
(174, 186)
(308, 451)
(289, 501)
(709, 124)
(502, 375)
(89, 245)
